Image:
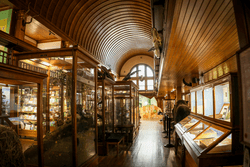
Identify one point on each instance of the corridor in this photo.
(146, 151)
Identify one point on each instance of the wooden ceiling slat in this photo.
(194, 18)
(219, 41)
(56, 11)
(76, 19)
(116, 21)
(103, 45)
(62, 12)
(107, 47)
(193, 27)
(209, 42)
(53, 4)
(211, 10)
(43, 7)
(74, 14)
(216, 44)
(68, 12)
(111, 17)
(83, 19)
(132, 41)
(205, 31)
(105, 39)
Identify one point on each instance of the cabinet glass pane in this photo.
(197, 130)
(199, 102)
(85, 112)
(224, 146)
(190, 124)
(185, 120)
(18, 105)
(208, 137)
(222, 102)
(208, 102)
(193, 102)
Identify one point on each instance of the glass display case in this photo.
(126, 106)
(69, 124)
(105, 112)
(213, 134)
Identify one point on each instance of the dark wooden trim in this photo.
(96, 128)
(15, 43)
(48, 103)
(40, 124)
(89, 161)
(21, 74)
(73, 110)
(241, 22)
(62, 52)
(240, 98)
(113, 108)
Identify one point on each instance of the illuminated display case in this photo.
(28, 110)
(68, 130)
(211, 133)
(105, 112)
(126, 106)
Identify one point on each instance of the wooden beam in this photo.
(42, 20)
(242, 17)
(15, 43)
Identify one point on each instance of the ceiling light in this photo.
(173, 90)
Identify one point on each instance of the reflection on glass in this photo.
(193, 102)
(86, 112)
(150, 84)
(142, 85)
(197, 130)
(208, 102)
(199, 102)
(149, 72)
(224, 146)
(208, 137)
(222, 102)
(185, 120)
(142, 70)
(190, 124)
(19, 106)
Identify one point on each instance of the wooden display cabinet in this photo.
(105, 112)
(126, 105)
(72, 66)
(211, 133)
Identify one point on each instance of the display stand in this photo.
(126, 105)
(211, 139)
(105, 111)
(68, 108)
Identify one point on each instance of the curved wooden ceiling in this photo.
(204, 34)
(106, 29)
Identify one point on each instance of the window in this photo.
(144, 77)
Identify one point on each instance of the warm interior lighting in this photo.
(173, 90)
(45, 63)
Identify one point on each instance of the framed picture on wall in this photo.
(244, 76)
